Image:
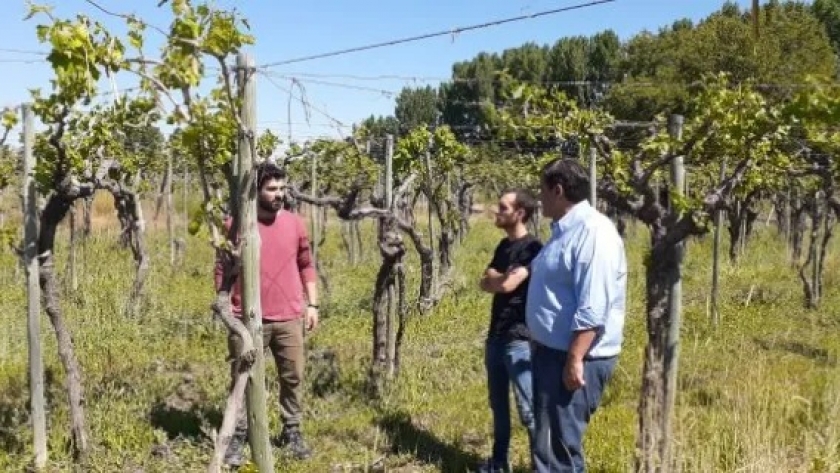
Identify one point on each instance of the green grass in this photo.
(759, 393)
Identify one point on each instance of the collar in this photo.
(572, 216)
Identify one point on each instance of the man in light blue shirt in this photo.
(575, 314)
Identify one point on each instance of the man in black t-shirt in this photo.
(507, 350)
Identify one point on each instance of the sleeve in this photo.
(306, 266)
(496, 262)
(591, 277)
(527, 255)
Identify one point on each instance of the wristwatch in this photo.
(314, 306)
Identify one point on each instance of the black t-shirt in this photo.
(507, 317)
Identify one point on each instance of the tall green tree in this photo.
(379, 126)
(660, 68)
(467, 97)
(527, 63)
(828, 12)
(374, 129)
(416, 107)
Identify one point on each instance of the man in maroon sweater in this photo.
(286, 275)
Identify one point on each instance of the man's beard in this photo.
(503, 223)
(271, 205)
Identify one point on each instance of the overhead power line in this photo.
(23, 61)
(24, 51)
(306, 104)
(449, 32)
(387, 93)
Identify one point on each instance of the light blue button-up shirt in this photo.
(578, 282)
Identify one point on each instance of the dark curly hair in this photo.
(268, 170)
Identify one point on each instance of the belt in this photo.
(537, 344)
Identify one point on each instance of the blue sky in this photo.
(286, 30)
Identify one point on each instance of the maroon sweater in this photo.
(285, 266)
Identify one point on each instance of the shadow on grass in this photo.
(322, 372)
(407, 438)
(193, 422)
(820, 355)
(14, 416)
(15, 408)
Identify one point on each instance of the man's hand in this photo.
(490, 279)
(573, 371)
(506, 282)
(311, 318)
(573, 374)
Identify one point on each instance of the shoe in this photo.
(233, 455)
(293, 439)
(493, 466)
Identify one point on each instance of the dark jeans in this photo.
(562, 415)
(508, 363)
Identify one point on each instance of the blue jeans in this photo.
(508, 363)
(561, 416)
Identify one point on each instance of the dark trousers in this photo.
(285, 340)
(508, 365)
(561, 416)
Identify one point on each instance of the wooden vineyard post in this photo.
(672, 353)
(258, 433)
(392, 293)
(716, 257)
(33, 292)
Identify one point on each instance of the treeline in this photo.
(649, 74)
